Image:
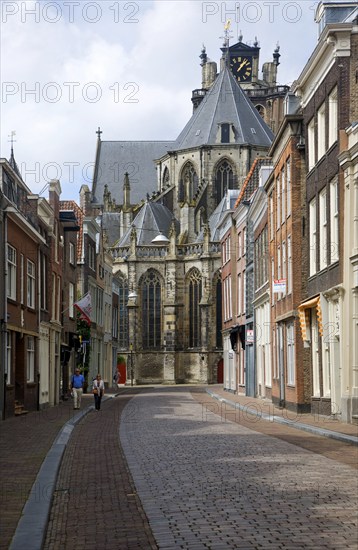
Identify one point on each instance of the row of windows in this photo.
(189, 181)
(151, 308)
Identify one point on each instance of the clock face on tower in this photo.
(241, 67)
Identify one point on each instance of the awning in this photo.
(304, 316)
(233, 336)
(237, 330)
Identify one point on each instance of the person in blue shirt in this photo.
(77, 383)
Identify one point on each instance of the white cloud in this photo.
(143, 58)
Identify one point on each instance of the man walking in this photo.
(77, 383)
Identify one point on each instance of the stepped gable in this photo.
(152, 219)
(225, 102)
(114, 158)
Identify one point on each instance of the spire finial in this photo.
(12, 140)
(99, 132)
(240, 37)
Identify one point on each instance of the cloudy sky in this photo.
(68, 67)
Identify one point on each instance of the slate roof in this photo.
(225, 102)
(152, 219)
(114, 158)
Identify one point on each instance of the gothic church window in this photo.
(166, 178)
(194, 294)
(122, 313)
(224, 179)
(151, 310)
(188, 184)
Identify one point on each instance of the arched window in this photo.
(200, 219)
(122, 313)
(188, 183)
(224, 178)
(194, 294)
(151, 302)
(166, 178)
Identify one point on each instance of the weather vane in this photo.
(227, 33)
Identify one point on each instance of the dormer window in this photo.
(225, 132)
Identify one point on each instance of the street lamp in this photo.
(132, 371)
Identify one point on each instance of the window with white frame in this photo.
(58, 298)
(91, 256)
(99, 306)
(313, 236)
(11, 272)
(115, 322)
(71, 300)
(30, 284)
(21, 278)
(8, 358)
(279, 273)
(288, 186)
(72, 256)
(332, 117)
(56, 238)
(334, 248)
(290, 353)
(278, 203)
(53, 300)
(321, 131)
(323, 229)
(227, 301)
(43, 281)
(244, 241)
(289, 265)
(243, 292)
(239, 294)
(283, 196)
(30, 359)
(311, 144)
(284, 267)
(228, 248)
(271, 216)
(239, 244)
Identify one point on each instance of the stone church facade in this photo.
(160, 209)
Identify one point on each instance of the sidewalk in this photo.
(264, 409)
(25, 442)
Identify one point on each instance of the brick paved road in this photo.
(205, 483)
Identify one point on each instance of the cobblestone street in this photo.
(196, 480)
